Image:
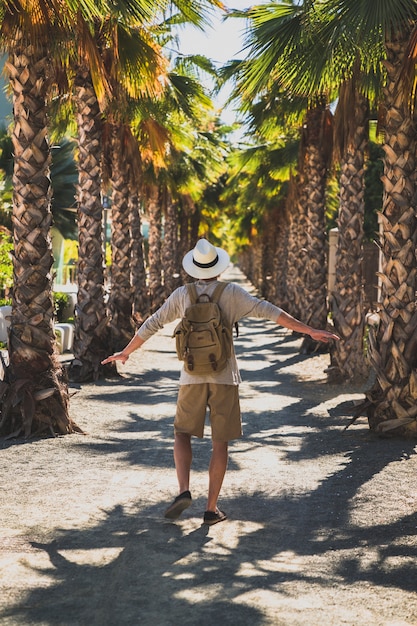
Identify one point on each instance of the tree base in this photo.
(85, 372)
(309, 346)
(35, 406)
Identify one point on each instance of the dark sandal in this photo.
(214, 517)
(179, 505)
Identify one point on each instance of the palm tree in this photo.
(152, 99)
(278, 37)
(175, 145)
(91, 337)
(324, 69)
(347, 298)
(153, 204)
(394, 346)
(391, 401)
(141, 306)
(351, 73)
(114, 58)
(36, 399)
(315, 168)
(257, 187)
(169, 245)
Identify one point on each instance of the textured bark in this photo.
(347, 300)
(256, 262)
(121, 298)
(297, 247)
(92, 335)
(169, 247)
(393, 346)
(195, 219)
(154, 212)
(269, 243)
(34, 393)
(268, 250)
(278, 289)
(184, 241)
(315, 170)
(138, 271)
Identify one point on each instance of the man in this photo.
(217, 391)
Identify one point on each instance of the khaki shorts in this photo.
(223, 403)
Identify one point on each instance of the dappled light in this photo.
(317, 515)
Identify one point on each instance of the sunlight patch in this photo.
(97, 557)
(261, 403)
(199, 594)
(323, 407)
(228, 535)
(286, 561)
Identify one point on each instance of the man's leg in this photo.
(182, 458)
(217, 470)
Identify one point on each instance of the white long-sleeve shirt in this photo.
(235, 304)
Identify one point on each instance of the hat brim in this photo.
(206, 272)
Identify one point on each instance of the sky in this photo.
(220, 43)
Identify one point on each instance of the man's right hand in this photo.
(117, 356)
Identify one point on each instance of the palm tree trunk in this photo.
(36, 398)
(184, 241)
(169, 247)
(138, 271)
(297, 247)
(92, 336)
(393, 346)
(195, 219)
(347, 300)
(277, 282)
(154, 211)
(316, 267)
(121, 299)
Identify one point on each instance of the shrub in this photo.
(61, 300)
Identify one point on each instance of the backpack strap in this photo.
(192, 292)
(216, 296)
(218, 292)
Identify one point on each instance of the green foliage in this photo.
(6, 266)
(332, 200)
(6, 201)
(64, 177)
(373, 190)
(6, 170)
(61, 300)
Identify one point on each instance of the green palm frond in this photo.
(197, 13)
(139, 11)
(368, 19)
(64, 178)
(140, 60)
(194, 64)
(188, 95)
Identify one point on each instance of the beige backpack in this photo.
(203, 341)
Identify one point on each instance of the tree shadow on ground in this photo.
(135, 567)
(155, 572)
(330, 511)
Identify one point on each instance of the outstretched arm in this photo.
(290, 322)
(135, 343)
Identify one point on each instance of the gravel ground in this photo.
(322, 520)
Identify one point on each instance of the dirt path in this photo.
(322, 521)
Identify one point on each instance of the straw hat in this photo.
(205, 260)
